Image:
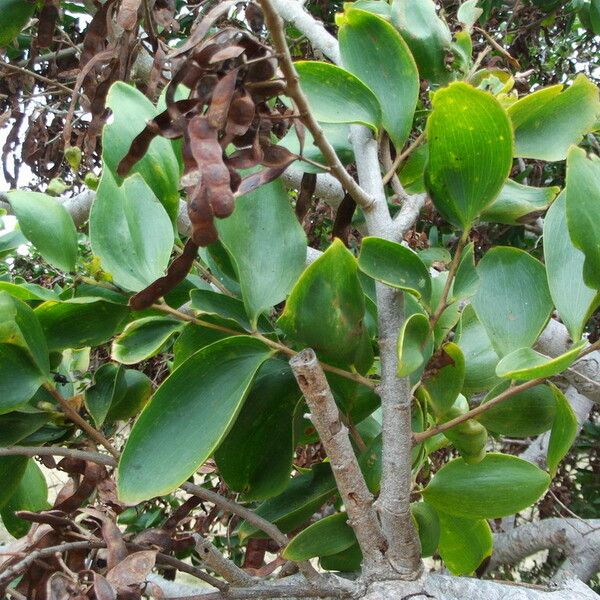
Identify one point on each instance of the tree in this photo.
(218, 390)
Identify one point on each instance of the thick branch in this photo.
(579, 540)
(220, 564)
(358, 500)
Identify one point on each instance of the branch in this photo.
(408, 215)
(101, 459)
(579, 540)
(334, 436)
(227, 569)
(275, 26)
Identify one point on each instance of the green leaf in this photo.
(20, 326)
(330, 535)
(159, 167)
(513, 301)
(464, 543)
(377, 7)
(480, 357)
(583, 211)
(130, 232)
(31, 494)
(296, 504)
(468, 13)
(326, 308)
(445, 383)
(328, 87)
(376, 53)
(136, 393)
(15, 14)
(517, 204)
(466, 280)
(256, 456)
(19, 378)
(17, 425)
(427, 36)
(144, 338)
(80, 322)
(526, 363)
(267, 245)
(413, 344)
(572, 113)
(395, 265)
(525, 414)
(196, 407)
(564, 267)
(428, 527)
(108, 385)
(48, 226)
(498, 486)
(347, 561)
(564, 431)
(470, 152)
(27, 291)
(469, 437)
(12, 469)
(208, 302)
(10, 241)
(193, 338)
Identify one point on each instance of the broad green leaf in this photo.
(395, 265)
(583, 211)
(12, 469)
(144, 338)
(412, 171)
(327, 536)
(378, 7)
(480, 357)
(15, 14)
(80, 322)
(256, 456)
(159, 167)
(464, 543)
(525, 414)
(137, 392)
(196, 407)
(130, 232)
(297, 503)
(574, 300)
(428, 527)
(564, 431)
(572, 113)
(498, 486)
(427, 36)
(31, 494)
(517, 204)
(267, 246)
(107, 386)
(526, 363)
(27, 291)
(413, 344)
(451, 314)
(17, 425)
(328, 87)
(494, 80)
(513, 301)
(374, 51)
(48, 226)
(11, 240)
(445, 382)
(20, 326)
(347, 561)
(193, 338)
(208, 302)
(19, 378)
(468, 13)
(466, 280)
(470, 152)
(326, 308)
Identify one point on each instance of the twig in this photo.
(220, 564)
(275, 25)
(513, 61)
(101, 459)
(74, 416)
(272, 344)
(388, 165)
(273, 591)
(36, 76)
(401, 157)
(443, 303)
(333, 434)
